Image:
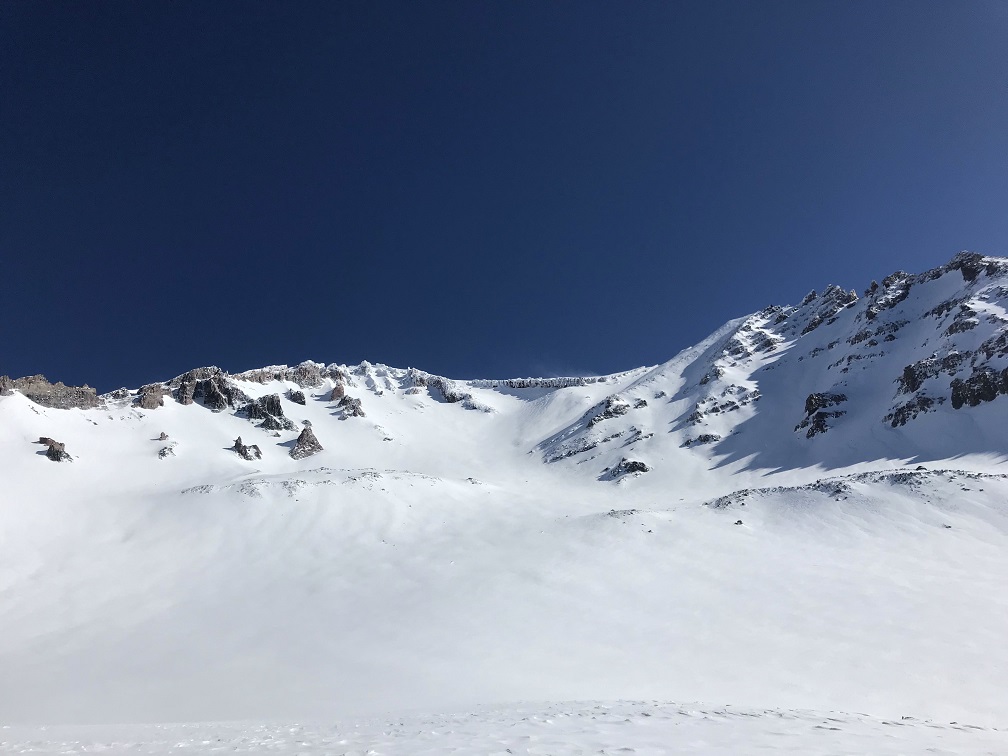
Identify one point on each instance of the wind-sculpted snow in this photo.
(368, 543)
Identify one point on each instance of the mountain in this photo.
(804, 510)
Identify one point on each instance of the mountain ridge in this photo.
(737, 523)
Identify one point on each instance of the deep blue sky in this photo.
(473, 188)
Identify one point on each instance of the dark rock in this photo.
(167, 451)
(249, 453)
(814, 402)
(640, 403)
(306, 445)
(6, 385)
(712, 375)
(351, 407)
(738, 522)
(56, 451)
(54, 395)
(270, 411)
(911, 409)
(338, 392)
(703, 438)
(628, 466)
(816, 423)
(163, 436)
(118, 395)
(916, 373)
(297, 397)
(151, 396)
(611, 407)
(211, 386)
(185, 392)
(983, 386)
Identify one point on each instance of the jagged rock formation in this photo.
(151, 396)
(818, 401)
(306, 375)
(54, 395)
(270, 411)
(249, 453)
(211, 386)
(297, 397)
(167, 451)
(306, 445)
(351, 407)
(163, 436)
(56, 451)
(983, 386)
(612, 406)
(338, 392)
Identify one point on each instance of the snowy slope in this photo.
(478, 541)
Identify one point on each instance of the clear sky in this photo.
(478, 189)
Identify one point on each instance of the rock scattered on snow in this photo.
(56, 451)
(250, 453)
(628, 466)
(297, 397)
(270, 411)
(351, 407)
(306, 445)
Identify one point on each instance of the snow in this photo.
(622, 727)
(432, 558)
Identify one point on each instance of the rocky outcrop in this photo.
(703, 438)
(972, 264)
(306, 445)
(150, 397)
(163, 436)
(167, 451)
(916, 373)
(814, 402)
(297, 397)
(56, 451)
(628, 466)
(6, 385)
(53, 395)
(338, 392)
(306, 375)
(815, 414)
(351, 407)
(983, 386)
(816, 423)
(211, 386)
(832, 301)
(908, 411)
(610, 407)
(269, 410)
(250, 453)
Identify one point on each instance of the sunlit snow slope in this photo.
(746, 523)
